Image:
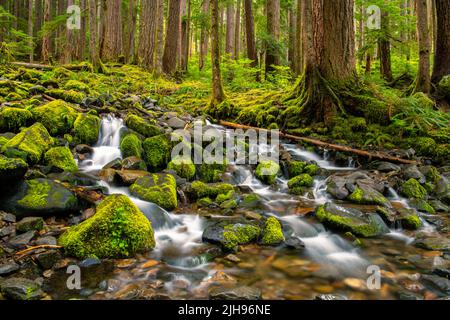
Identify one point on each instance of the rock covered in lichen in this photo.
(157, 152)
(183, 166)
(212, 172)
(413, 189)
(118, 229)
(231, 234)
(366, 195)
(199, 189)
(57, 116)
(160, 189)
(297, 184)
(87, 128)
(11, 170)
(267, 171)
(61, 158)
(409, 219)
(30, 144)
(12, 119)
(142, 126)
(272, 232)
(131, 146)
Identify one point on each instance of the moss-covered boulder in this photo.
(183, 166)
(30, 144)
(77, 86)
(351, 220)
(212, 172)
(413, 189)
(409, 219)
(142, 126)
(57, 116)
(61, 158)
(42, 197)
(87, 128)
(66, 95)
(157, 152)
(12, 119)
(131, 146)
(200, 189)
(231, 234)
(366, 195)
(117, 230)
(303, 180)
(272, 232)
(296, 168)
(267, 171)
(160, 189)
(11, 170)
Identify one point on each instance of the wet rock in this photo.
(42, 197)
(439, 206)
(383, 166)
(8, 268)
(176, 123)
(90, 262)
(7, 231)
(436, 282)
(84, 149)
(348, 219)
(11, 170)
(30, 224)
(240, 293)
(134, 163)
(21, 241)
(327, 297)
(364, 194)
(47, 260)
(409, 219)
(129, 177)
(413, 190)
(157, 188)
(7, 217)
(295, 243)
(21, 289)
(230, 234)
(441, 272)
(107, 175)
(48, 240)
(412, 172)
(336, 188)
(433, 243)
(116, 164)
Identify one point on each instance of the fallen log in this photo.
(326, 145)
(72, 67)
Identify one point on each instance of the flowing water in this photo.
(185, 266)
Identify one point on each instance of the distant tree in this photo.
(171, 45)
(112, 44)
(218, 95)
(423, 80)
(442, 54)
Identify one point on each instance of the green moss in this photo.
(61, 158)
(12, 168)
(204, 202)
(131, 146)
(202, 190)
(425, 146)
(272, 233)
(229, 204)
(36, 196)
(160, 189)
(66, 95)
(183, 166)
(57, 116)
(117, 230)
(87, 128)
(157, 152)
(303, 180)
(361, 196)
(77, 86)
(444, 86)
(413, 189)
(142, 126)
(423, 206)
(221, 198)
(267, 171)
(423, 100)
(296, 168)
(212, 172)
(3, 141)
(411, 221)
(238, 234)
(12, 119)
(31, 143)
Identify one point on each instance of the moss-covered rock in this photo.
(131, 146)
(42, 197)
(221, 198)
(212, 172)
(229, 205)
(183, 166)
(204, 202)
(11, 170)
(367, 195)
(160, 189)
(12, 119)
(444, 86)
(87, 128)
(30, 144)
(422, 205)
(77, 86)
(61, 158)
(157, 152)
(409, 219)
(303, 180)
(296, 168)
(267, 171)
(272, 232)
(202, 190)
(67, 95)
(351, 220)
(117, 230)
(142, 126)
(57, 116)
(238, 234)
(413, 189)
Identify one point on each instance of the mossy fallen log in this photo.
(371, 155)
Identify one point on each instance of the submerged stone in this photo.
(21, 289)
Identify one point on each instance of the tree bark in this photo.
(160, 36)
(148, 34)
(131, 29)
(423, 80)
(93, 36)
(273, 31)
(218, 95)
(250, 34)
(384, 46)
(292, 38)
(38, 22)
(237, 31)
(229, 43)
(30, 29)
(171, 44)
(46, 37)
(68, 48)
(299, 55)
(112, 46)
(442, 54)
(204, 35)
(185, 31)
(82, 33)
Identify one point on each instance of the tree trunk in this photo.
(131, 30)
(30, 28)
(185, 31)
(423, 81)
(442, 54)
(112, 46)
(204, 35)
(299, 55)
(218, 95)
(292, 38)
(160, 36)
(250, 34)
(330, 66)
(147, 34)
(68, 51)
(38, 22)
(82, 33)
(93, 37)
(368, 63)
(273, 31)
(384, 46)
(237, 31)
(171, 45)
(46, 37)
(229, 43)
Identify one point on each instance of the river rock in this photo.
(327, 297)
(8, 268)
(21, 289)
(128, 177)
(42, 197)
(7, 217)
(348, 219)
(157, 188)
(294, 242)
(436, 282)
(176, 123)
(29, 224)
(412, 172)
(11, 170)
(134, 163)
(384, 166)
(47, 260)
(230, 234)
(240, 293)
(21, 241)
(433, 243)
